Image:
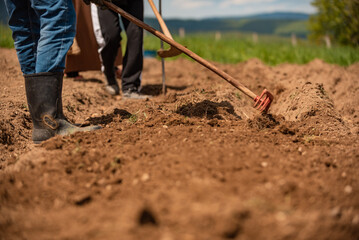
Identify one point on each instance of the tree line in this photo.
(336, 19)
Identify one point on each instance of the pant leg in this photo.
(133, 59)
(58, 29)
(108, 36)
(25, 26)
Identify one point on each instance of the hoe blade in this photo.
(263, 102)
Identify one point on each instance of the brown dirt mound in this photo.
(198, 163)
(311, 104)
(308, 100)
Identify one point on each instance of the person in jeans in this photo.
(43, 32)
(106, 24)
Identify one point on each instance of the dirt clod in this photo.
(146, 217)
(82, 199)
(6, 133)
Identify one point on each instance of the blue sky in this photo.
(197, 9)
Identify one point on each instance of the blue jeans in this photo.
(43, 32)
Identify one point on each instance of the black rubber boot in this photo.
(44, 98)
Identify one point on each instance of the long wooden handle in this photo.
(160, 20)
(183, 49)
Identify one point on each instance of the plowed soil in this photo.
(198, 163)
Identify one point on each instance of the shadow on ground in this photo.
(207, 109)
(156, 89)
(108, 118)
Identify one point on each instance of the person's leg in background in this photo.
(43, 32)
(133, 59)
(106, 24)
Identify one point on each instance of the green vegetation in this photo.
(237, 47)
(300, 28)
(5, 37)
(338, 19)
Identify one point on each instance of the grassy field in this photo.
(5, 37)
(237, 47)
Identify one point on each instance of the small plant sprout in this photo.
(133, 118)
(238, 95)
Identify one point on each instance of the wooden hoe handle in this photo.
(183, 49)
(160, 20)
(172, 52)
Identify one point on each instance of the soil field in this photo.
(198, 163)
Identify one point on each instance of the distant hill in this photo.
(274, 15)
(278, 23)
(281, 15)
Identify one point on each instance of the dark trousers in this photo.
(111, 32)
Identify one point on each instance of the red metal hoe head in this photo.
(263, 102)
